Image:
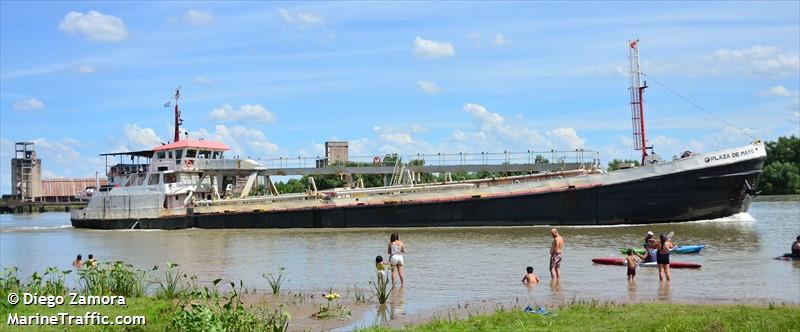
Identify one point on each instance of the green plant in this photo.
(381, 289)
(172, 286)
(9, 281)
(359, 295)
(275, 283)
(55, 281)
(338, 311)
(226, 313)
(126, 280)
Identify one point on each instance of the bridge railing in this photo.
(587, 157)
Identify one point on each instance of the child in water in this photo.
(632, 262)
(530, 277)
(379, 264)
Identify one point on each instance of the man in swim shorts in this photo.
(555, 254)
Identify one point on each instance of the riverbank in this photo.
(777, 198)
(617, 317)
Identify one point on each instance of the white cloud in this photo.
(475, 37)
(429, 87)
(246, 113)
(429, 49)
(243, 141)
(757, 61)
(85, 69)
(418, 128)
(567, 138)
(779, 90)
(499, 39)
(398, 138)
(30, 104)
(203, 80)
(94, 26)
(497, 134)
(57, 151)
(137, 138)
(196, 17)
(301, 20)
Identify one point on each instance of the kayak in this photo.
(788, 257)
(678, 250)
(621, 261)
(688, 249)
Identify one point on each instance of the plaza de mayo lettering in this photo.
(729, 155)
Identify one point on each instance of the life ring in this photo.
(376, 161)
(189, 163)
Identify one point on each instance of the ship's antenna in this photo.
(178, 120)
(637, 100)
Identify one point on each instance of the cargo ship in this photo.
(191, 183)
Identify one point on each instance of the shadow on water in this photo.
(665, 291)
(397, 303)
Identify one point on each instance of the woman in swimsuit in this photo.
(662, 258)
(396, 249)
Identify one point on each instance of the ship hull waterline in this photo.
(701, 194)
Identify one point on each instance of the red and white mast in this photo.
(637, 100)
(178, 120)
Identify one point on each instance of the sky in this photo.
(274, 79)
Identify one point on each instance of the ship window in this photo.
(169, 154)
(170, 178)
(160, 154)
(179, 154)
(191, 153)
(205, 154)
(153, 179)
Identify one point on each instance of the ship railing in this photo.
(588, 158)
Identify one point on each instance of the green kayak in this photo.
(639, 251)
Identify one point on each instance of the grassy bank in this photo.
(629, 317)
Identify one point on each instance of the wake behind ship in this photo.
(190, 183)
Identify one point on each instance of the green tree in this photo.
(780, 178)
(614, 164)
(782, 168)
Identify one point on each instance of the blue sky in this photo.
(278, 79)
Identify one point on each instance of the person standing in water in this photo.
(555, 254)
(396, 249)
(796, 247)
(662, 258)
(78, 262)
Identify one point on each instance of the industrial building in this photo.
(27, 184)
(26, 173)
(336, 152)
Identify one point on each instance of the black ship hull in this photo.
(707, 193)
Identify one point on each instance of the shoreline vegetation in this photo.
(170, 300)
(597, 316)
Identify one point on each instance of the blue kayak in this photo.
(687, 249)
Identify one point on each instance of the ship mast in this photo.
(178, 120)
(637, 100)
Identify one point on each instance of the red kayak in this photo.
(621, 261)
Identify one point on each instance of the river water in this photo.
(444, 266)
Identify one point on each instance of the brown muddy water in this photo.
(445, 267)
